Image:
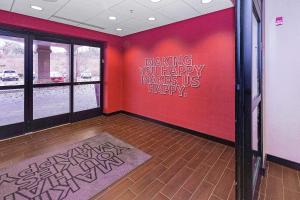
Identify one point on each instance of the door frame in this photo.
(245, 189)
(16, 129)
(29, 124)
(85, 114)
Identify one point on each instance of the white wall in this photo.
(282, 80)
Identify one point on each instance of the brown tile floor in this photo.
(182, 166)
(280, 183)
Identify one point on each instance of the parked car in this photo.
(9, 75)
(86, 75)
(57, 77)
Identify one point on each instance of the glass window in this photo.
(51, 62)
(86, 97)
(86, 63)
(11, 61)
(255, 57)
(11, 106)
(51, 101)
(255, 131)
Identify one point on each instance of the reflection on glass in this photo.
(51, 62)
(255, 82)
(255, 130)
(255, 57)
(50, 101)
(86, 97)
(11, 106)
(11, 61)
(256, 157)
(86, 63)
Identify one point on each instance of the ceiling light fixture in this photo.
(119, 29)
(151, 18)
(112, 17)
(206, 1)
(155, 1)
(36, 8)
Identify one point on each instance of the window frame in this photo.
(33, 125)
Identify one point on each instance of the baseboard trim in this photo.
(284, 162)
(196, 133)
(112, 113)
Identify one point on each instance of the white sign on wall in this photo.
(171, 75)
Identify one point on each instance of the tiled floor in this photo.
(182, 166)
(280, 183)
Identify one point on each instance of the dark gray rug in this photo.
(78, 171)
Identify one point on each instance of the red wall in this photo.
(113, 53)
(211, 41)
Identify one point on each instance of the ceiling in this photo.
(131, 15)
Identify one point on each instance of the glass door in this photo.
(249, 143)
(87, 98)
(51, 83)
(256, 103)
(12, 85)
(47, 80)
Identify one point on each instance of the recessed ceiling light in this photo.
(36, 8)
(206, 1)
(151, 18)
(155, 1)
(119, 29)
(112, 18)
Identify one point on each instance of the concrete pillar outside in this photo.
(43, 73)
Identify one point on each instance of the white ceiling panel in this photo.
(49, 8)
(160, 20)
(215, 5)
(179, 10)
(91, 27)
(133, 23)
(131, 15)
(82, 10)
(6, 4)
(103, 19)
(76, 10)
(64, 21)
(130, 26)
(154, 5)
(125, 31)
(130, 9)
